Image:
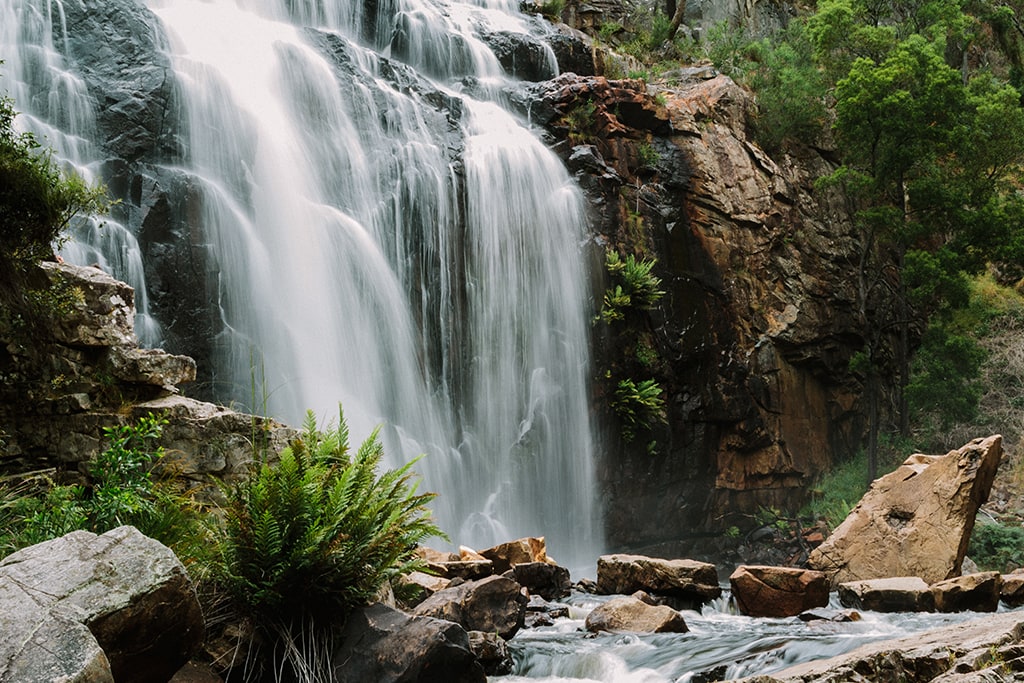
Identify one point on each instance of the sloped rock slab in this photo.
(915, 521)
(943, 655)
(115, 606)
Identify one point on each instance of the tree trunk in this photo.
(677, 19)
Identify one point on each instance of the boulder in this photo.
(942, 655)
(833, 615)
(385, 645)
(898, 594)
(549, 581)
(521, 551)
(467, 570)
(973, 592)
(492, 651)
(628, 613)
(1011, 590)
(915, 521)
(494, 604)
(423, 585)
(119, 605)
(688, 580)
(540, 612)
(761, 591)
(432, 555)
(150, 366)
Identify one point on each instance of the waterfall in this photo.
(55, 106)
(380, 237)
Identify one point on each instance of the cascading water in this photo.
(378, 237)
(55, 106)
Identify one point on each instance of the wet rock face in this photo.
(753, 336)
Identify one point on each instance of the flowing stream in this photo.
(720, 645)
(377, 235)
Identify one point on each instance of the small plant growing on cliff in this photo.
(639, 405)
(37, 201)
(636, 287)
(581, 122)
(316, 533)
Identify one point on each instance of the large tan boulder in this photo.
(915, 521)
(688, 580)
(761, 591)
(631, 614)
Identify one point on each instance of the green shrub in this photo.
(121, 491)
(318, 532)
(635, 286)
(639, 405)
(997, 547)
(37, 201)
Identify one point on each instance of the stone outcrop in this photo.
(494, 605)
(915, 521)
(690, 581)
(549, 581)
(989, 647)
(753, 337)
(894, 594)
(628, 613)
(118, 606)
(84, 371)
(386, 645)
(777, 591)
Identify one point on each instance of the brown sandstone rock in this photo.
(896, 594)
(974, 592)
(915, 521)
(494, 604)
(761, 591)
(426, 583)
(549, 581)
(1012, 589)
(521, 551)
(492, 652)
(628, 613)
(685, 579)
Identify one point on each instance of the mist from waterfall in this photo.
(383, 239)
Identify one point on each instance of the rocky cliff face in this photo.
(83, 370)
(753, 337)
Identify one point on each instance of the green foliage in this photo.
(582, 122)
(121, 491)
(552, 9)
(635, 286)
(781, 71)
(318, 532)
(647, 154)
(997, 547)
(37, 201)
(944, 385)
(639, 405)
(835, 494)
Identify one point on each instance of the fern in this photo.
(318, 532)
